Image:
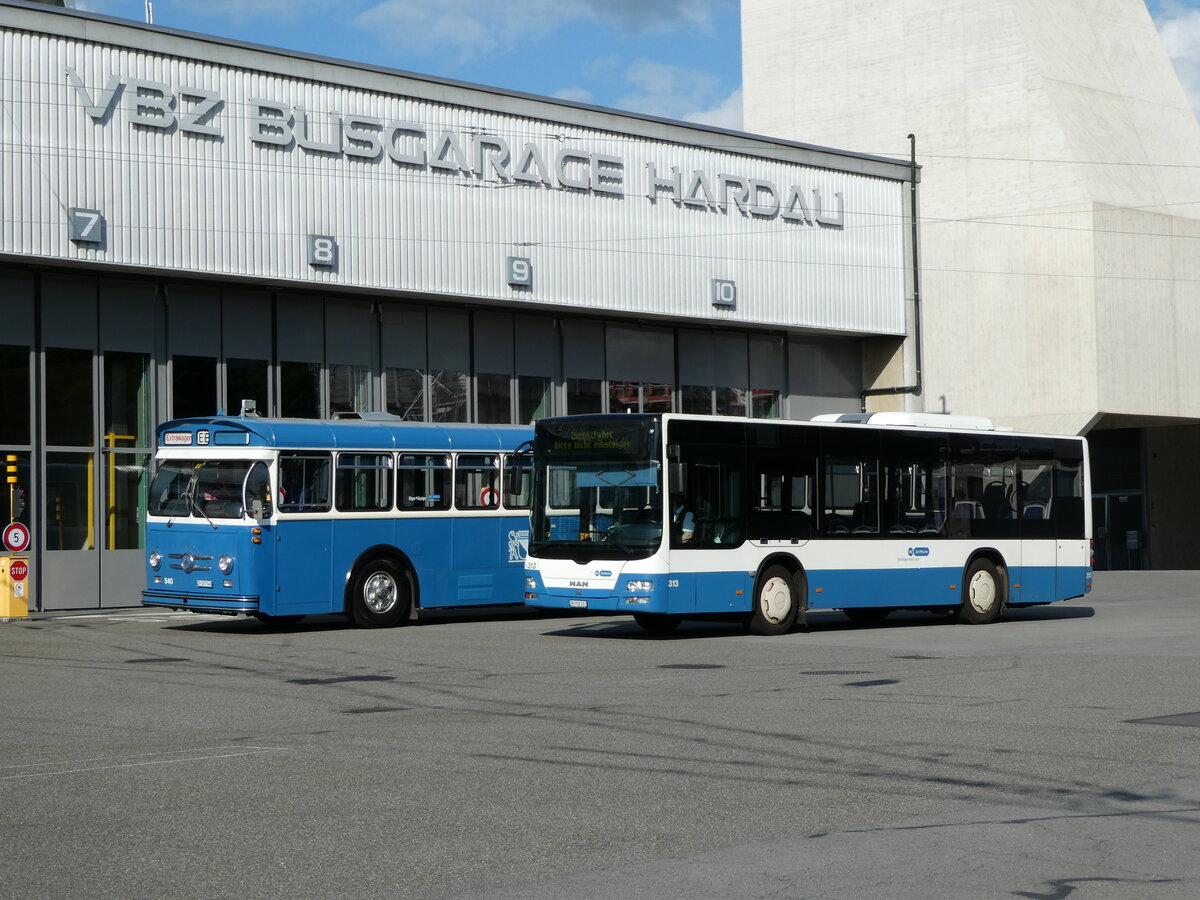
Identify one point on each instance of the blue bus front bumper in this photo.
(202, 603)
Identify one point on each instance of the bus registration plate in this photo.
(578, 604)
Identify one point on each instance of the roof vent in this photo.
(911, 420)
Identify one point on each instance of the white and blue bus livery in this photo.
(371, 517)
(766, 519)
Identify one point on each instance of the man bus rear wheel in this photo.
(983, 593)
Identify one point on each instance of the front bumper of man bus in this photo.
(602, 590)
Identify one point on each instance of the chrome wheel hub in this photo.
(380, 592)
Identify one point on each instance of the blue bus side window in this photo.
(304, 482)
(477, 481)
(258, 490)
(424, 481)
(364, 482)
(518, 481)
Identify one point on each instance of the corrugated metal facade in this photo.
(183, 170)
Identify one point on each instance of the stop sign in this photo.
(19, 570)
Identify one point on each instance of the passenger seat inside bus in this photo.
(967, 509)
(994, 502)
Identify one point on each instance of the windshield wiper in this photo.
(189, 497)
(198, 508)
(612, 537)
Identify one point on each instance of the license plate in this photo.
(578, 604)
(202, 582)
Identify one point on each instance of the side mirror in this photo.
(677, 478)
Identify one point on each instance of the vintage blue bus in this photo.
(668, 516)
(369, 516)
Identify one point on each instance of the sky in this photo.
(680, 59)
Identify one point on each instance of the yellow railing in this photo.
(110, 441)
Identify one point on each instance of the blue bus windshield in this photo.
(212, 489)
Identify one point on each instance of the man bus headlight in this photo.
(639, 586)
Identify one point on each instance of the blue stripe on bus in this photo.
(718, 592)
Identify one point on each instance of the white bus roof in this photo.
(918, 420)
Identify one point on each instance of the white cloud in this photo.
(578, 95)
(677, 93)
(663, 90)
(467, 28)
(242, 11)
(473, 28)
(1179, 27)
(652, 15)
(725, 114)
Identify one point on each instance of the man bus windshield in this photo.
(602, 494)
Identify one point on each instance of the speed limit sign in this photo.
(16, 537)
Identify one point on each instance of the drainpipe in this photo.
(908, 388)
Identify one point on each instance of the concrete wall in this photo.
(1059, 188)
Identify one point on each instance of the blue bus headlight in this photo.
(154, 559)
(225, 563)
(639, 586)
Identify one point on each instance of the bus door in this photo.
(480, 556)
(1039, 549)
(303, 569)
(303, 546)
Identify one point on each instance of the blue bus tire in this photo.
(380, 596)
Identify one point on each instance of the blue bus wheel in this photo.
(983, 593)
(380, 595)
(775, 602)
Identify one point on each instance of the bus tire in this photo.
(983, 593)
(380, 597)
(657, 623)
(776, 602)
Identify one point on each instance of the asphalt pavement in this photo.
(502, 755)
